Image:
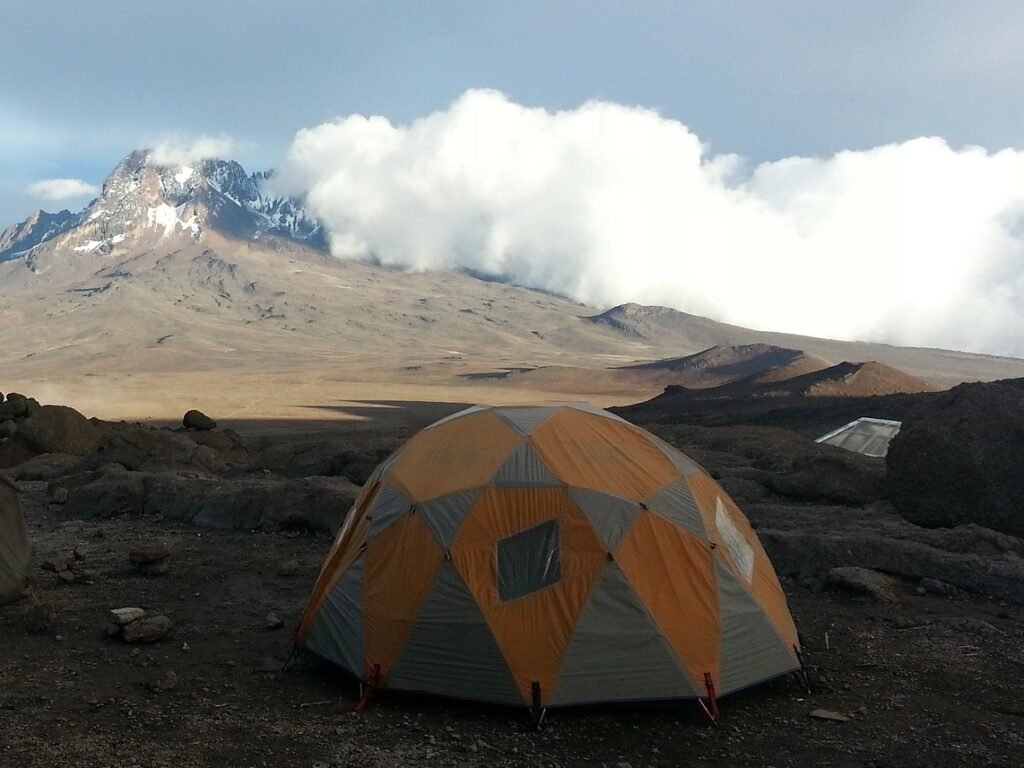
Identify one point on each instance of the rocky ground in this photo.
(914, 638)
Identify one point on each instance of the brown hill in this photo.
(725, 364)
(660, 327)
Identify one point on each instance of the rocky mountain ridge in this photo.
(144, 201)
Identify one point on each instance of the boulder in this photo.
(149, 552)
(226, 442)
(46, 466)
(13, 409)
(315, 503)
(198, 420)
(864, 581)
(58, 429)
(122, 616)
(958, 456)
(153, 450)
(835, 476)
(8, 428)
(107, 494)
(807, 542)
(146, 630)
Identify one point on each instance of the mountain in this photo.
(189, 286)
(660, 327)
(144, 203)
(37, 228)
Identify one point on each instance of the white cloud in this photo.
(914, 243)
(179, 150)
(62, 189)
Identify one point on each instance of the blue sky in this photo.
(85, 82)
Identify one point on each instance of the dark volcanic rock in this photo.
(314, 503)
(808, 542)
(866, 582)
(198, 420)
(46, 466)
(44, 429)
(958, 459)
(109, 494)
(59, 429)
(846, 478)
(153, 450)
(226, 442)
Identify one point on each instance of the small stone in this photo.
(66, 577)
(166, 683)
(52, 566)
(149, 552)
(827, 714)
(147, 630)
(153, 569)
(78, 553)
(122, 616)
(185, 647)
(60, 495)
(274, 621)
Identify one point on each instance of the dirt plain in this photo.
(928, 680)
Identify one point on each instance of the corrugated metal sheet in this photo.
(865, 435)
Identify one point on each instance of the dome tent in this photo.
(14, 548)
(548, 557)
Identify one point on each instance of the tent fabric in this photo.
(548, 556)
(14, 548)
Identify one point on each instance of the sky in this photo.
(700, 155)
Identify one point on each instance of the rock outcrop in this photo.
(959, 458)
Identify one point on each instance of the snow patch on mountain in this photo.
(144, 201)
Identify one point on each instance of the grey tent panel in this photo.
(337, 633)
(752, 650)
(611, 516)
(524, 468)
(444, 515)
(525, 420)
(450, 649)
(681, 462)
(618, 653)
(390, 506)
(529, 560)
(675, 502)
(458, 415)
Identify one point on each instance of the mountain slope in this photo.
(188, 279)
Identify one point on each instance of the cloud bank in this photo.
(56, 190)
(915, 243)
(180, 150)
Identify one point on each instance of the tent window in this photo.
(528, 561)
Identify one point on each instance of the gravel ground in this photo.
(930, 681)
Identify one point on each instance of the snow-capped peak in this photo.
(145, 200)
